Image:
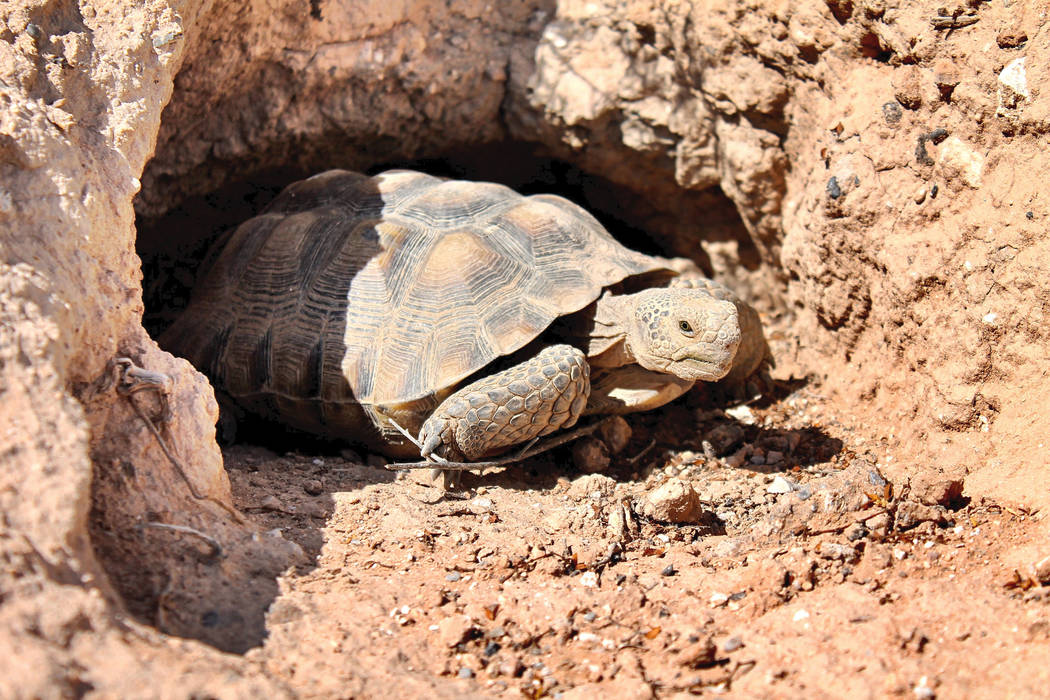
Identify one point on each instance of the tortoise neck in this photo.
(612, 315)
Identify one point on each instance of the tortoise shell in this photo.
(351, 290)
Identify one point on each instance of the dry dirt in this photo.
(808, 577)
(868, 173)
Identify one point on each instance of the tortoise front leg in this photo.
(632, 388)
(526, 401)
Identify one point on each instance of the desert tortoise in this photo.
(467, 313)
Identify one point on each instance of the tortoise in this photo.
(464, 312)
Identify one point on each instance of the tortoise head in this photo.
(684, 332)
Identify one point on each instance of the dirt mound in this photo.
(866, 174)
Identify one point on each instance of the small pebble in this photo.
(491, 648)
(585, 486)
(452, 576)
(856, 531)
(1011, 38)
(941, 492)
(616, 432)
(732, 644)
(271, 503)
(833, 189)
(780, 485)
(737, 459)
(1029, 215)
(801, 615)
(511, 667)
(718, 599)
(590, 617)
(840, 552)
(891, 112)
(34, 31)
(741, 413)
(465, 673)
(699, 654)
(674, 502)
(669, 570)
(318, 462)
(454, 630)
(1042, 571)
(314, 487)
(879, 524)
(923, 691)
(590, 455)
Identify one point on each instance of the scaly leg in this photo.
(528, 400)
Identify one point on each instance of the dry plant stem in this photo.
(216, 548)
(131, 382)
(433, 457)
(840, 528)
(645, 451)
(527, 453)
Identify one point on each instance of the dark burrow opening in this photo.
(646, 216)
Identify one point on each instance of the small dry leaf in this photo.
(652, 634)
(1019, 581)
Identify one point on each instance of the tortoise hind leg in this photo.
(526, 401)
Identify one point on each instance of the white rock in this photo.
(1013, 87)
(780, 485)
(960, 162)
(923, 690)
(741, 413)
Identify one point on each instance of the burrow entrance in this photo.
(225, 603)
(652, 217)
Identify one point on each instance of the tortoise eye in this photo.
(685, 327)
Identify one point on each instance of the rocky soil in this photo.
(867, 173)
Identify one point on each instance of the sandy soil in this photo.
(799, 570)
